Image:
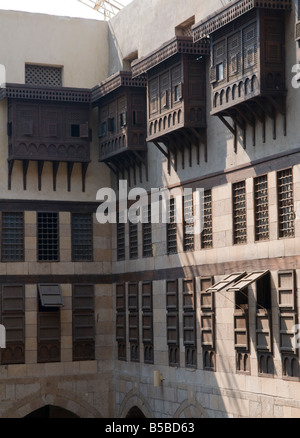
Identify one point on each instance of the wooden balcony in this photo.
(121, 102)
(247, 73)
(47, 124)
(176, 97)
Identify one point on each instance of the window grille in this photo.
(133, 240)
(43, 75)
(261, 208)
(239, 213)
(285, 203)
(12, 237)
(206, 235)
(147, 232)
(188, 226)
(171, 228)
(82, 237)
(48, 237)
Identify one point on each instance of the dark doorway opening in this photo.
(51, 412)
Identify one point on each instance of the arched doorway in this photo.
(51, 412)
(135, 412)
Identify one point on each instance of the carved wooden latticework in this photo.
(247, 72)
(176, 97)
(121, 101)
(47, 124)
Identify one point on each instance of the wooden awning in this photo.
(231, 12)
(117, 80)
(50, 295)
(178, 44)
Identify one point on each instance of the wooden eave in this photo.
(49, 94)
(178, 44)
(231, 12)
(120, 79)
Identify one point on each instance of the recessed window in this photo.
(82, 237)
(261, 208)
(75, 131)
(48, 237)
(285, 203)
(239, 213)
(220, 71)
(12, 237)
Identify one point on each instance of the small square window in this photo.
(75, 131)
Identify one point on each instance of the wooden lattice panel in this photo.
(43, 75)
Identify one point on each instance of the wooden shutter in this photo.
(286, 290)
(84, 130)
(244, 282)
(50, 295)
(263, 331)
(83, 322)
(213, 74)
(206, 296)
(49, 336)
(208, 329)
(286, 323)
(13, 319)
(231, 278)
(241, 335)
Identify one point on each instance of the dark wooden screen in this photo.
(83, 313)
(133, 321)
(147, 321)
(13, 319)
(121, 320)
(172, 322)
(207, 319)
(189, 323)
